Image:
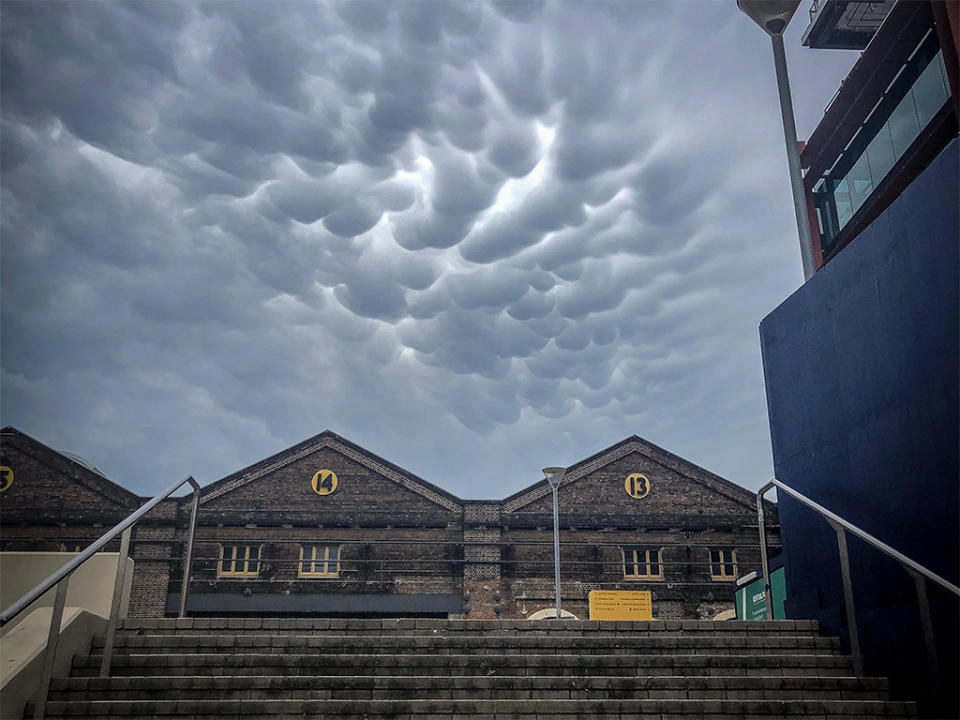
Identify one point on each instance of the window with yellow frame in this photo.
(319, 561)
(642, 563)
(239, 561)
(723, 564)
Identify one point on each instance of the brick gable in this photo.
(672, 499)
(367, 486)
(51, 488)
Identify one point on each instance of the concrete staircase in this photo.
(215, 668)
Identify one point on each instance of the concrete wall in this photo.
(861, 370)
(90, 588)
(23, 653)
(24, 639)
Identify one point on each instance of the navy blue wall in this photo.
(861, 370)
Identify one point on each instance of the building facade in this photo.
(861, 362)
(328, 528)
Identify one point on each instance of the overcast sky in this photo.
(475, 239)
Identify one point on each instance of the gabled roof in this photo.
(330, 440)
(634, 443)
(72, 466)
(82, 472)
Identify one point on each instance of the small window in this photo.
(237, 560)
(642, 563)
(319, 560)
(723, 564)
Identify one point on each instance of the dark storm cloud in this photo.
(227, 226)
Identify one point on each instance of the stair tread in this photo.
(425, 705)
(217, 669)
(833, 681)
(466, 625)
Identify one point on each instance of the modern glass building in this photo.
(861, 362)
(894, 113)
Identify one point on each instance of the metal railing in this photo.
(919, 574)
(362, 562)
(61, 578)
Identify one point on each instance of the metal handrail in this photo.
(918, 572)
(61, 578)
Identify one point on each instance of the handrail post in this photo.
(50, 654)
(919, 573)
(926, 622)
(188, 561)
(764, 560)
(118, 583)
(848, 598)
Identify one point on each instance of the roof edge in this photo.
(93, 478)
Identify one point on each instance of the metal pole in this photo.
(556, 546)
(926, 621)
(793, 157)
(50, 656)
(188, 561)
(848, 600)
(118, 584)
(764, 562)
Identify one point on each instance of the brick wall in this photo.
(397, 534)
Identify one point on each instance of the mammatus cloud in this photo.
(476, 238)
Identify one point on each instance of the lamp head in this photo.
(772, 15)
(553, 475)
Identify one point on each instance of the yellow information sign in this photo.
(621, 605)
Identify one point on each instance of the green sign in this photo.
(751, 600)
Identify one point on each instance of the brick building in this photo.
(326, 527)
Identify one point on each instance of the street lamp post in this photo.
(773, 16)
(553, 475)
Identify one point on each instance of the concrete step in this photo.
(367, 687)
(639, 643)
(409, 626)
(238, 663)
(485, 709)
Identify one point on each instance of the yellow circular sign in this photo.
(638, 485)
(6, 477)
(324, 482)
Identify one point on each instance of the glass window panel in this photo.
(880, 154)
(825, 203)
(641, 563)
(859, 182)
(841, 199)
(239, 559)
(904, 126)
(929, 93)
(319, 559)
(943, 72)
